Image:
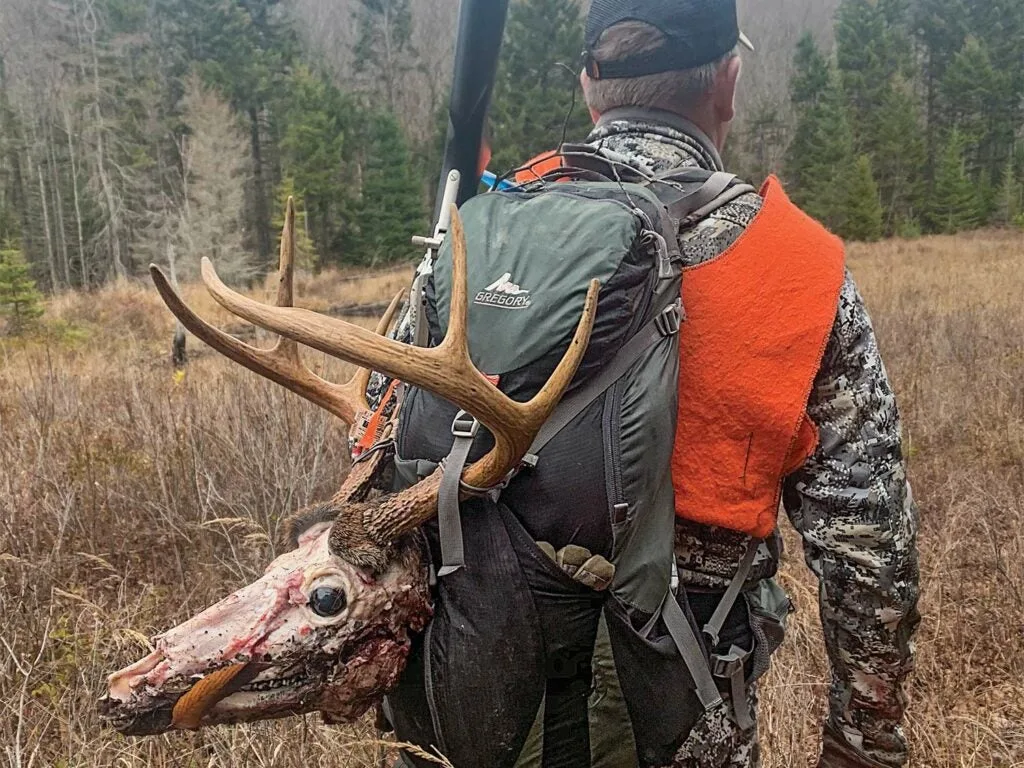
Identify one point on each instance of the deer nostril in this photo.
(327, 601)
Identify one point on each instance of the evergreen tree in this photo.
(820, 159)
(899, 157)
(536, 82)
(319, 120)
(974, 98)
(872, 48)
(390, 208)
(863, 210)
(20, 300)
(245, 49)
(954, 203)
(873, 55)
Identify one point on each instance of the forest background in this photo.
(137, 131)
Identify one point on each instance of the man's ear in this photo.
(584, 83)
(724, 95)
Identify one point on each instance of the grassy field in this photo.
(129, 499)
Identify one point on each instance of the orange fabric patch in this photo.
(758, 318)
(542, 164)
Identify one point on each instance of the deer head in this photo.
(327, 627)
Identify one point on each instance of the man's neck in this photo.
(671, 119)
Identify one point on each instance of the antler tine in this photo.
(281, 364)
(286, 265)
(456, 340)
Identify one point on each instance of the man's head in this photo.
(674, 55)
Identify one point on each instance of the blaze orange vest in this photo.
(758, 318)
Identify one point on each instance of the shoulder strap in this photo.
(714, 189)
(666, 323)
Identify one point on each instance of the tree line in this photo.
(915, 124)
(137, 131)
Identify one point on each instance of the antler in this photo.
(445, 370)
(281, 363)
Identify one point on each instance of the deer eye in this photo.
(327, 601)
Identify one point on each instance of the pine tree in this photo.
(536, 82)
(863, 210)
(319, 120)
(872, 48)
(873, 55)
(245, 50)
(390, 209)
(954, 203)
(899, 157)
(975, 102)
(820, 158)
(20, 300)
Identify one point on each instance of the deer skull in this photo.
(314, 633)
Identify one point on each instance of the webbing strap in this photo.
(716, 184)
(730, 667)
(690, 649)
(719, 202)
(449, 519)
(665, 324)
(714, 626)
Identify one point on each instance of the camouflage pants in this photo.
(717, 742)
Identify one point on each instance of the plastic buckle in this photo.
(665, 270)
(727, 665)
(465, 425)
(670, 320)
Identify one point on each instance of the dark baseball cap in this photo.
(696, 32)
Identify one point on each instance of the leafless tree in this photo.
(215, 168)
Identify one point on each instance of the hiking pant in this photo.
(716, 742)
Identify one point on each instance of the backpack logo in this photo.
(503, 293)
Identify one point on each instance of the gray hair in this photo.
(671, 91)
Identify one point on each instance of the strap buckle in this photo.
(670, 320)
(725, 665)
(654, 237)
(729, 667)
(465, 425)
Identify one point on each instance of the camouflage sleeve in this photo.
(852, 505)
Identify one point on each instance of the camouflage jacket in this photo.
(850, 502)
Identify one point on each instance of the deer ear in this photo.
(301, 521)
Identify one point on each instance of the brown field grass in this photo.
(130, 499)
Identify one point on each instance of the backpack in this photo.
(580, 539)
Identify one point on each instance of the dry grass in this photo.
(129, 500)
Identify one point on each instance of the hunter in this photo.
(660, 81)
(783, 402)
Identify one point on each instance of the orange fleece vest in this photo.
(758, 318)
